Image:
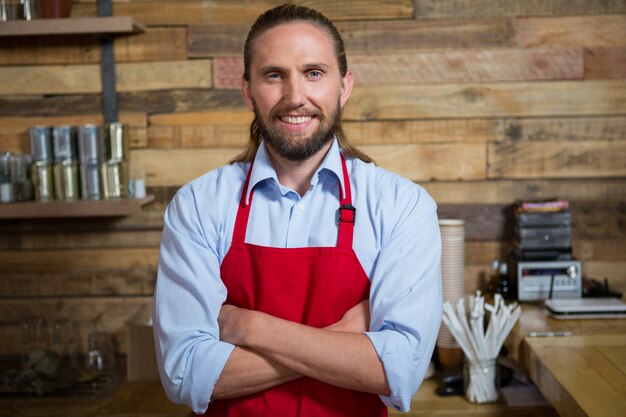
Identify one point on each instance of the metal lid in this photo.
(90, 144)
(40, 143)
(64, 143)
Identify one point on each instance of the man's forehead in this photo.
(303, 37)
(286, 32)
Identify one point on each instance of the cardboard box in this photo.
(141, 362)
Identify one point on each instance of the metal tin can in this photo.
(20, 176)
(66, 180)
(64, 144)
(115, 179)
(90, 181)
(40, 144)
(116, 142)
(42, 181)
(90, 144)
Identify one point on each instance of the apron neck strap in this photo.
(346, 213)
(243, 212)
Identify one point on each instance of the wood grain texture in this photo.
(183, 12)
(14, 130)
(468, 66)
(442, 67)
(556, 159)
(97, 238)
(595, 387)
(559, 98)
(369, 36)
(605, 63)
(213, 117)
(562, 129)
(431, 161)
(189, 163)
(110, 282)
(420, 131)
(78, 260)
(73, 79)
(508, 191)
(578, 31)
(599, 221)
(463, 9)
(145, 101)
(156, 44)
(161, 137)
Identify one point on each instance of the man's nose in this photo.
(294, 93)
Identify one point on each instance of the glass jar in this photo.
(481, 380)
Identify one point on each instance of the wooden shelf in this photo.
(82, 208)
(72, 26)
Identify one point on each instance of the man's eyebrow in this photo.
(319, 65)
(270, 68)
(275, 68)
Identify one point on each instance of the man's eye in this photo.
(273, 76)
(315, 74)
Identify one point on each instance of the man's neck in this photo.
(297, 175)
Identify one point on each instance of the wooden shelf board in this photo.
(70, 26)
(82, 208)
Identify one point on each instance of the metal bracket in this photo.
(107, 68)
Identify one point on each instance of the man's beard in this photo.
(298, 150)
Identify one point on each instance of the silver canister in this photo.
(90, 181)
(40, 144)
(114, 179)
(90, 154)
(66, 173)
(7, 189)
(21, 177)
(41, 167)
(90, 144)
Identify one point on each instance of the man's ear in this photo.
(346, 88)
(246, 93)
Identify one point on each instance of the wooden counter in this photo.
(580, 375)
(147, 399)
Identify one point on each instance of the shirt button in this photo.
(299, 207)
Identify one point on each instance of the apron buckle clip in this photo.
(346, 213)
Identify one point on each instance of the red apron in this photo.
(312, 286)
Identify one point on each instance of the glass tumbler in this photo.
(481, 380)
(100, 354)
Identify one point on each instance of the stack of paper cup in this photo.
(452, 274)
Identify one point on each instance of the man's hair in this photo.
(281, 15)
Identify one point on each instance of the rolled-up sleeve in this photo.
(406, 299)
(188, 297)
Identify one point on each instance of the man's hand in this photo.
(233, 321)
(355, 320)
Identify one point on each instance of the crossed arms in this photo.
(270, 351)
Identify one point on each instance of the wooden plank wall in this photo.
(483, 102)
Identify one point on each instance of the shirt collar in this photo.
(262, 168)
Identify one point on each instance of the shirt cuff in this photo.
(202, 372)
(400, 367)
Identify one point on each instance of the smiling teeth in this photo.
(295, 120)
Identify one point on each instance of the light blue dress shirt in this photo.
(396, 239)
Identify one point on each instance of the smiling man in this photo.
(299, 280)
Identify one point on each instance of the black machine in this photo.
(542, 265)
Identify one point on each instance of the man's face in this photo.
(295, 89)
